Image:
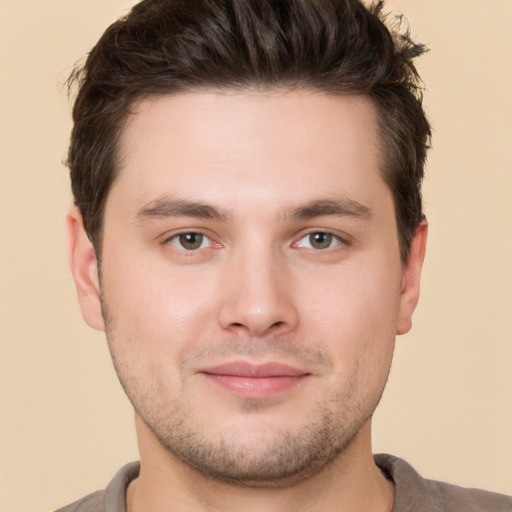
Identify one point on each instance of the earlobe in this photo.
(411, 279)
(84, 267)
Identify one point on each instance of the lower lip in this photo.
(256, 387)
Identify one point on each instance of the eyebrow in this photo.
(168, 207)
(330, 207)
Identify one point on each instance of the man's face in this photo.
(251, 279)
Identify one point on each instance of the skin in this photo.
(278, 172)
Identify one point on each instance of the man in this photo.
(248, 232)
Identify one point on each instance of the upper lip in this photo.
(245, 369)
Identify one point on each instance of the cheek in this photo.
(355, 312)
(156, 307)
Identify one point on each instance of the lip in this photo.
(245, 369)
(255, 381)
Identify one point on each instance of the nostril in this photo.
(272, 327)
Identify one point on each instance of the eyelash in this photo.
(176, 237)
(175, 241)
(341, 242)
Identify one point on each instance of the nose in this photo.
(258, 295)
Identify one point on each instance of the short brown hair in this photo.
(167, 46)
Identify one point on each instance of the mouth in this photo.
(255, 381)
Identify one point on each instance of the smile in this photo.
(255, 381)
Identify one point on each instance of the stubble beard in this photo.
(277, 460)
(266, 461)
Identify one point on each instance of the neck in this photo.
(351, 483)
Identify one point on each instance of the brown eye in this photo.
(190, 241)
(320, 240)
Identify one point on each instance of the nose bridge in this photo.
(258, 296)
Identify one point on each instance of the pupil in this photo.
(191, 240)
(321, 240)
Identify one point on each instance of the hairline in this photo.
(256, 88)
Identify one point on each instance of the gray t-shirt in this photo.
(413, 493)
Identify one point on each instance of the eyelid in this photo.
(176, 234)
(344, 239)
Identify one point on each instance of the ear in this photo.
(411, 279)
(84, 267)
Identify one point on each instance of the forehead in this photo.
(278, 146)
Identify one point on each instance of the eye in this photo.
(319, 240)
(191, 241)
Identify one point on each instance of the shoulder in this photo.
(413, 492)
(465, 499)
(112, 499)
(91, 503)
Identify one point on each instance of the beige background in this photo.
(65, 426)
